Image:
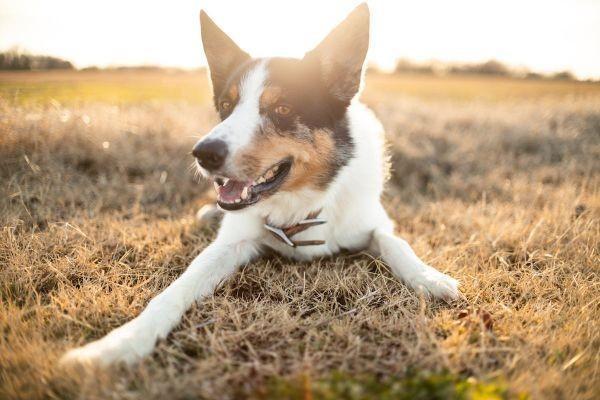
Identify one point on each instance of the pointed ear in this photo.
(341, 55)
(222, 54)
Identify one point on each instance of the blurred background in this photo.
(492, 115)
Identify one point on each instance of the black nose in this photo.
(210, 153)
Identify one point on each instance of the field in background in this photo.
(495, 181)
(115, 87)
(134, 86)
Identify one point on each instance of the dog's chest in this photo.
(337, 235)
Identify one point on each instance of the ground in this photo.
(495, 181)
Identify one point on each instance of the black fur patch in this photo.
(312, 105)
(305, 92)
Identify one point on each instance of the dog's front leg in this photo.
(408, 267)
(137, 338)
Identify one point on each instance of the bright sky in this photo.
(544, 35)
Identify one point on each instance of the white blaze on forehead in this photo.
(252, 85)
(237, 129)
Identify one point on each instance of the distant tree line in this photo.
(18, 60)
(14, 60)
(490, 68)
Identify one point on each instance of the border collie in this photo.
(298, 164)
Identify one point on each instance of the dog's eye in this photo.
(283, 110)
(225, 105)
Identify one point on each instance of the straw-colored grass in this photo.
(97, 211)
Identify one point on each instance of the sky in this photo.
(545, 36)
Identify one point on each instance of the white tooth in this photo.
(275, 168)
(225, 181)
(260, 180)
(216, 185)
(244, 195)
(237, 200)
(269, 175)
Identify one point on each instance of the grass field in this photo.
(495, 181)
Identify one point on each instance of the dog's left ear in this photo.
(222, 54)
(341, 55)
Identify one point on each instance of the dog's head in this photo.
(283, 121)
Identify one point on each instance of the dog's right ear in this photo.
(341, 55)
(222, 54)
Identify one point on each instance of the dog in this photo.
(298, 164)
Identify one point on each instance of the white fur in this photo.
(356, 220)
(238, 129)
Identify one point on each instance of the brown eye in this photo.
(225, 105)
(282, 110)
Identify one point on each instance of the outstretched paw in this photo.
(125, 344)
(436, 284)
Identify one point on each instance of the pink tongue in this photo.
(231, 190)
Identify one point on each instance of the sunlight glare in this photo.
(542, 35)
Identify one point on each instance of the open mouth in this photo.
(235, 195)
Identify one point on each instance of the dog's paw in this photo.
(208, 215)
(125, 344)
(434, 283)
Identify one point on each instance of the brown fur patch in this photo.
(234, 92)
(312, 159)
(270, 96)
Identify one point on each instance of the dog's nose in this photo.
(210, 153)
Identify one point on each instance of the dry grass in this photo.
(502, 195)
